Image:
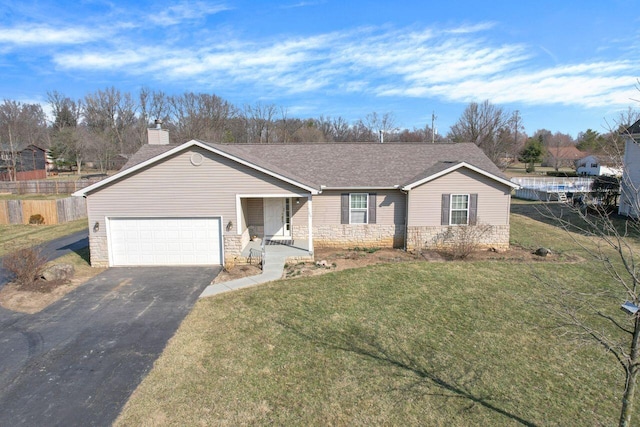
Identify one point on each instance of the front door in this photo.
(277, 213)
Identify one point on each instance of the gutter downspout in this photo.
(406, 217)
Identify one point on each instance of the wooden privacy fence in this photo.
(53, 211)
(46, 186)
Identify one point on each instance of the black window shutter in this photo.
(372, 208)
(444, 220)
(473, 209)
(344, 208)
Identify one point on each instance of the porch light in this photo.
(629, 308)
(297, 200)
(229, 225)
(96, 227)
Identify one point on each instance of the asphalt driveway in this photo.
(77, 361)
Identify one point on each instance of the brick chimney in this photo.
(157, 135)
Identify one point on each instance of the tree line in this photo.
(107, 123)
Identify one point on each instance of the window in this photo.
(459, 209)
(358, 208)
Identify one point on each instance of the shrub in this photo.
(36, 219)
(562, 173)
(462, 241)
(26, 265)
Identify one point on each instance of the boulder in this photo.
(61, 272)
(542, 252)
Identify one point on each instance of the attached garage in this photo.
(164, 241)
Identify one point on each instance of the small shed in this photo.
(30, 163)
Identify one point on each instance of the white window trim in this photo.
(458, 210)
(365, 209)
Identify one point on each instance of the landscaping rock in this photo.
(542, 252)
(58, 272)
(322, 263)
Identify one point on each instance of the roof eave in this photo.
(395, 187)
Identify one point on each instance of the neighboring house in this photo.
(557, 157)
(593, 166)
(200, 203)
(31, 163)
(630, 182)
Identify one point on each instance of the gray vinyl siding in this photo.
(494, 198)
(299, 216)
(255, 211)
(390, 209)
(175, 187)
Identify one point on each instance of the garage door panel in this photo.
(164, 241)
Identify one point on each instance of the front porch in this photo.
(271, 226)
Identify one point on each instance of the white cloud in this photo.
(45, 35)
(184, 11)
(458, 64)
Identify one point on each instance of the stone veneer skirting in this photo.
(99, 251)
(495, 236)
(341, 236)
(364, 235)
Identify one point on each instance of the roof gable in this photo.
(634, 129)
(168, 150)
(448, 167)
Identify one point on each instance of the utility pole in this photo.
(433, 129)
(517, 125)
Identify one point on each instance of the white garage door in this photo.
(164, 241)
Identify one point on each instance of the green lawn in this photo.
(455, 343)
(17, 235)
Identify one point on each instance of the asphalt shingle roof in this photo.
(345, 165)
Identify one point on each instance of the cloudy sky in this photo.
(565, 65)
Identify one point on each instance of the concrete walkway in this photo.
(272, 270)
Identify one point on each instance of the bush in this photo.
(36, 219)
(562, 174)
(26, 265)
(461, 241)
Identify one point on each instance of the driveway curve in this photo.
(78, 361)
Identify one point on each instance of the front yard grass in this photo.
(18, 235)
(418, 343)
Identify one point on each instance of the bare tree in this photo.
(153, 105)
(110, 116)
(20, 125)
(69, 138)
(612, 242)
(308, 132)
(380, 125)
(482, 124)
(200, 116)
(335, 129)
(287, 127)
(260, 120)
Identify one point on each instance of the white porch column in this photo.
(310, 221)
